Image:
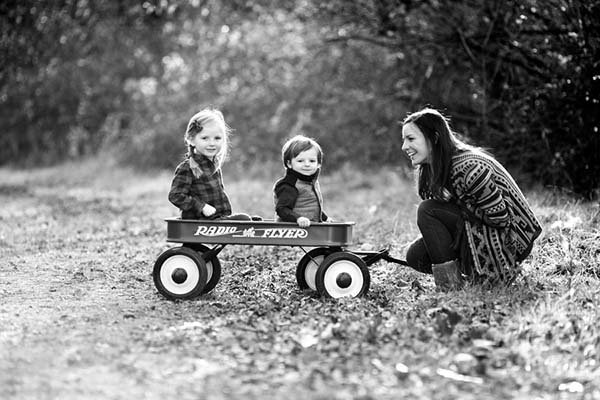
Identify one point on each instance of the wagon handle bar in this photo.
(385, 254)
(372, 257)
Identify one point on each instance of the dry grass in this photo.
(80, 317)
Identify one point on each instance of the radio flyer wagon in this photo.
(193, 268)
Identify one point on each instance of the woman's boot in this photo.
(447, 276)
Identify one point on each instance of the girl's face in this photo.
(210, 140)
(306, 163)
(415, 145)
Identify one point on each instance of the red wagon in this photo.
(193, 269)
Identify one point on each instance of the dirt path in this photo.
(73, 280)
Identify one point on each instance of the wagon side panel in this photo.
(268, 233)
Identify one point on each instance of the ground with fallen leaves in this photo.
(80, 317)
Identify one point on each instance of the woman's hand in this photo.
(208, 210)
(303, 222)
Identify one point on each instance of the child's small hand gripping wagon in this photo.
(193, 269)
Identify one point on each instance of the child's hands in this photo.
(303, 222)
(208, 210)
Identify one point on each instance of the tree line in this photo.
(518, 77)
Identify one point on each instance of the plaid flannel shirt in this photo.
(190, 193)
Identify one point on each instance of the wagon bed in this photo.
(194, 269)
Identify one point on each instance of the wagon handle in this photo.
(371, 257)
(386, 256)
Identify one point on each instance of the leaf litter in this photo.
(81, 318)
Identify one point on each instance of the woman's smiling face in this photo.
(415, 145)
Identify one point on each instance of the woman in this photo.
(474, 220)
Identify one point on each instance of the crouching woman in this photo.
(475, 222)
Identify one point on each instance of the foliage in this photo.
(517, 77)
(273, 78)
(80, 317)
(63, 73)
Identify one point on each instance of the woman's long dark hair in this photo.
(433, 178)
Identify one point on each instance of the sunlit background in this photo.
(518, 77)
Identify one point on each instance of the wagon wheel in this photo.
(213, 266)
(180, 273)
(308, 265)
(342, 274)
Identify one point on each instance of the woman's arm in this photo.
(485, 197)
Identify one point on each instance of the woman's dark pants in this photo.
(440, 225)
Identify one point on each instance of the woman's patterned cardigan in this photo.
(500, 226)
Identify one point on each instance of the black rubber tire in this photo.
(188, 264)
(314, 256)
(213, 266)
(338, 269)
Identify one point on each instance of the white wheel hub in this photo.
(209, 270)
(173, 265)
(310, 272)
(346, 269)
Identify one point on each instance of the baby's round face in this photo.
(306, 163)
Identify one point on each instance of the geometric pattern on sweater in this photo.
(499, 223)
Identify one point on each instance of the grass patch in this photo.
(80, 317)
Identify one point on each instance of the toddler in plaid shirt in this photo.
(197, 188)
